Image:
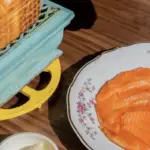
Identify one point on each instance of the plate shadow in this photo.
(85, 14)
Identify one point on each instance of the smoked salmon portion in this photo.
(123, 109)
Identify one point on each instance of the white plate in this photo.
(87, 82)
(21, 140)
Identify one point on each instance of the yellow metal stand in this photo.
(36, 98)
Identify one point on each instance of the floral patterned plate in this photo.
(82, 91)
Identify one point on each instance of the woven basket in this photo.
(15, 17)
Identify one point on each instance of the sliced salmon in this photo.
(123, 109)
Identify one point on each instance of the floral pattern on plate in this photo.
(84, 106)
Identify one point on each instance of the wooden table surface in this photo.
(113, 23)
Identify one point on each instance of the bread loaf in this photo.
(15, 17)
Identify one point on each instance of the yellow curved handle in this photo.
(36, 98)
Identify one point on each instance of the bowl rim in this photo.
(30, 134)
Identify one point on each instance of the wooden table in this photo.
(118, 23)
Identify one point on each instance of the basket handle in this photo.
(36, 98)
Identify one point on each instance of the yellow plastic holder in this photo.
(36, 98)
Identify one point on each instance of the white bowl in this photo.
(21, 140)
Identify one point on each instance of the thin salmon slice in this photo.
(126, 139)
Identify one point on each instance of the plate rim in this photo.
(69, 90)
